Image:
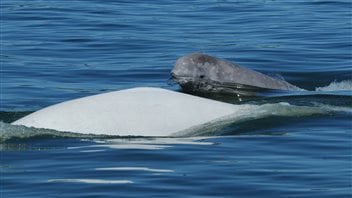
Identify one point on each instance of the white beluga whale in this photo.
(132, 112)
(198, 72)
(152, 112)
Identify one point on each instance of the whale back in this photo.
(200, 72)
(136, 112)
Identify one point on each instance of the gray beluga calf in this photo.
(198, 72)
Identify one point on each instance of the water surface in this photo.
(53, 51)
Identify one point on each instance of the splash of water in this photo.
(345, 85)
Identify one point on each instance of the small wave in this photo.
(145, 143)
(255, 112)
(91, 181)
(146, 169)
(16, 132)
(345, 85)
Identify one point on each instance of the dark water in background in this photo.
(52, 51)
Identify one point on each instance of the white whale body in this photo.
(131, 112)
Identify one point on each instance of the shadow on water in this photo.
(340, 98)
(8, 116)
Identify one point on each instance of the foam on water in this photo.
(345, 85)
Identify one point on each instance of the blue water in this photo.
(53, 51)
